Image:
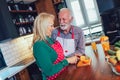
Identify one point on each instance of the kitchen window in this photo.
(86, 16)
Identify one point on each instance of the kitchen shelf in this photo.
(23, 11)
(23, 16)
(55, 3)
(18, 23)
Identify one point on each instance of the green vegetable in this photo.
(111, 52)
(117, 44)
(116, 48)
(119, 41)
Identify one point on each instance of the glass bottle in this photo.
(105, 43)
(16, 7)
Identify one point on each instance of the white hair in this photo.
(66, 9)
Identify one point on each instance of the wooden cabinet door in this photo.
(23, 75)
(7, 28)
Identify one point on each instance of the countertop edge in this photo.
(8, 72)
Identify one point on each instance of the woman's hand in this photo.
(72, 60)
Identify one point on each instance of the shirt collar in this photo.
(70, 31)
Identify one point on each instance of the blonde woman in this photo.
(48, 54)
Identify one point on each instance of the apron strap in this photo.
(58, 33)
(72, 36)
(58, 48)
(72, 33)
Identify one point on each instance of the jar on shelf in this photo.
(30, 8)
(16, 7)
(9, 8)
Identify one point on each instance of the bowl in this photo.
(112, 66)
(113, 69)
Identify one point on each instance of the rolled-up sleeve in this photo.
(80, 43)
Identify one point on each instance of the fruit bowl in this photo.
(114, 67)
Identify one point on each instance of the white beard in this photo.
(64, 27)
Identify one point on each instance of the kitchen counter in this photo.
(12, 70)
(99, 69)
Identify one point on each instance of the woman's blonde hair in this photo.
(40, 26)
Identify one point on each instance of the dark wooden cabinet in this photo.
(46, 6)
(50, 6)
(58, 4)
(16, 19)
(34, 72)
(111, 24)
(23, 75)
(105, 5)
(31, 72)
(7, 28)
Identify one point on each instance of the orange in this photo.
(117, 67)
(86, 61)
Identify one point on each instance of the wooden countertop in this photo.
(98, 70)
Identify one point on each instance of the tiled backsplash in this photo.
(16, 50)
